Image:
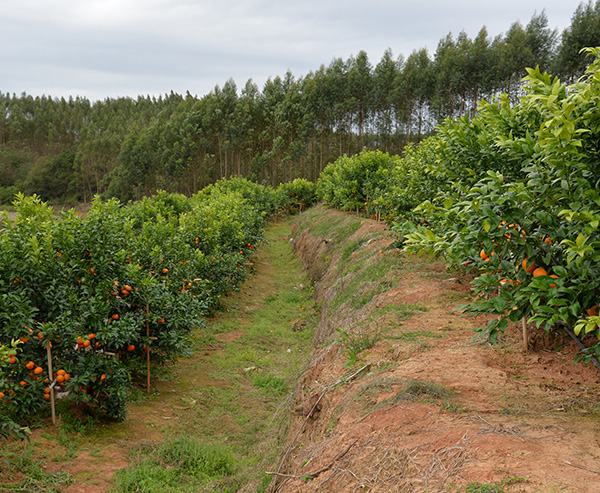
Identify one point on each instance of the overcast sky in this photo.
(112, 48)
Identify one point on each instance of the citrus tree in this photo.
(102, 291)
(530, 228)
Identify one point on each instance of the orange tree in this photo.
(106, 288)
(296, 196)
(540, 207)
(357, 182)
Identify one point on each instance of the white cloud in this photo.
(128, 47)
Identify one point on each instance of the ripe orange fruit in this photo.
(164, 271)
(115, 316)
(12, 359)
(22, 383)
(61, 372)
(91, 336)
(593, 311)
(67, 377)
(1, 395)
(130, 348)
(46, 396)
(102, 377)
(38, 370)
(47, 390)
(30, 365)
(540, 271)
(127, 287)
(553, 276)
(60, 378)
(528, 268)
(86, 343)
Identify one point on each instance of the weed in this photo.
(477, 487)
(415, 335)
(197, 459)
(177, 465)
(349, 249)
(35, 478)
(370, 277)
(355, 343)
(337, 227)
(270, 384)
(149, 477)
(333, 421)
(452, 407)
(401, 310)
(413, 389)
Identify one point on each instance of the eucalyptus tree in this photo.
(360, 89)
(385, 78)
(584, 31)
(419, 88)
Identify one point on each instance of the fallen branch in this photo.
(596, 471)
(312, 475)
(272, 486)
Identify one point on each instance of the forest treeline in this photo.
(72, 149)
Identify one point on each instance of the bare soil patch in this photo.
(525, 422)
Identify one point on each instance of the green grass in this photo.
(500, 487)
(271, 384)
(240, 411)
(336, 227)
(413, 389)
(18, 459)
(372, 274)
(405, 390)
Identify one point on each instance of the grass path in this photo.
(215, 421)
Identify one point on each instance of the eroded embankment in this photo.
(398, 396)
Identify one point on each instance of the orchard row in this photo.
(102, 290)
(511, 195)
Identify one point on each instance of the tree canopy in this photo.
(71, 150)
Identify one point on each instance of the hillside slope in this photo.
(399, 397)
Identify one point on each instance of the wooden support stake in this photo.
(52, 404)
(525, 335)
(148, 345)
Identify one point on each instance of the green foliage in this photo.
(296, 196)
(518, 181)
(357, 182)
(106, 288)
(532, 196)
